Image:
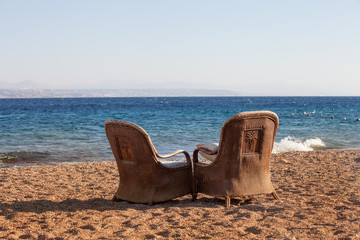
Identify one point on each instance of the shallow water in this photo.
(55, 130)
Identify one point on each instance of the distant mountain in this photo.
(69, 93)
(29, 84)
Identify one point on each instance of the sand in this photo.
(319, 191)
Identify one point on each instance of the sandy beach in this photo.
(319, 192)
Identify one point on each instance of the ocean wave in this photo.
(292, 144)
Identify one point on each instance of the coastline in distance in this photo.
(76, 93)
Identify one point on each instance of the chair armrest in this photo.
(187, 156)
(195, 155)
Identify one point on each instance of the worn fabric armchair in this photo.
(143, 177)
(242, 163)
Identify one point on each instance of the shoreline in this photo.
(54, 163)
(319, 199)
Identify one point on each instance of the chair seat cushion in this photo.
(208, 150)
(172, 163)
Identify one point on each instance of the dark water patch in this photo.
(23, 157)
(26, 158)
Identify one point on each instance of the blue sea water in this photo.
(57, 130)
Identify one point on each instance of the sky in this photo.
(258, 47)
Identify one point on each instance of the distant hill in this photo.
(70, 93)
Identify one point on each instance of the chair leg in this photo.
(194, 196)
(228, 199)
(194, 192)
(275, 195)
(115, 199)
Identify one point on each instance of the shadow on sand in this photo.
(101, 204)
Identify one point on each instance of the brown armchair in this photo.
(143, 178)
(242, 164)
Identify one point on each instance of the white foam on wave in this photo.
(292, 144)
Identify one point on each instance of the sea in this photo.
(46, 131)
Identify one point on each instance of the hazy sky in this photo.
(307, 47)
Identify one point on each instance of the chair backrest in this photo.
(129, 143)
(248, 133)
(242, 165)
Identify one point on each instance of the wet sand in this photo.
(319, 192)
